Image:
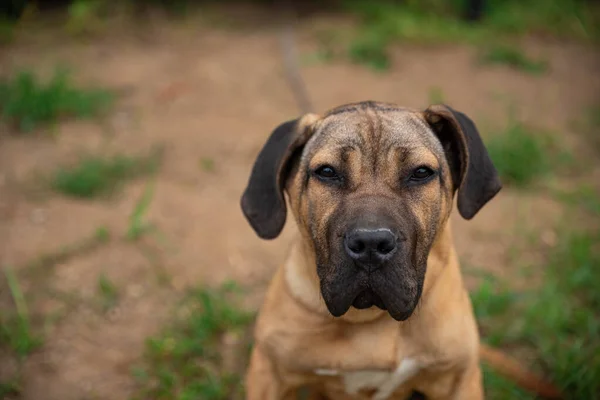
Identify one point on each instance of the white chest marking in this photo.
(385, 382)
(407, 369)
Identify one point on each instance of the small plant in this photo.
(187, 361)
(93, 175)
(137, 222)
(513, 57)
(109, 293)
(16, 332)
(28, 103)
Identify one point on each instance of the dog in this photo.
(370, 302)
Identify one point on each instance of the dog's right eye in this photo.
(326, 172)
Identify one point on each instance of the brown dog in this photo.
(370, 303)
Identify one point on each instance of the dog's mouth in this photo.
(366, 299)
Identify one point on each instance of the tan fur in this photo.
(299, 343)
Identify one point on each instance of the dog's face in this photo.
(370, 186)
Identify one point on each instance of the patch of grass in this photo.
(370, 49)
(439, 22)
(137, 222)
(27, 103)
(514, 58)
(188, 361)
(8, 389)
(20, 332)
(491, 300)
(85, 16)
(522, 154)
(93, 176)
(583, 196)
(499, 388)
(559, 319)
(16, 332)
(108, 291)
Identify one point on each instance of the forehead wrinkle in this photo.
(332, 144)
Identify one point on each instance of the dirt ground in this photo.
(211, 93)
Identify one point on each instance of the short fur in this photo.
(353, 331)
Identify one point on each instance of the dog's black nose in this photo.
(370, 247)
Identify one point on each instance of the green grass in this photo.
(586, 197)
(524, 155)
(20, 332)
(514, 58)
(8, 389)
(17, 339)
(499, 388)
(186, 361)
(558, 320)
(137, 221)
(371, 49)
(94, 176)
(28, 103)
(440, 22)
(15, 331)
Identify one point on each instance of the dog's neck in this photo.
(303, 283)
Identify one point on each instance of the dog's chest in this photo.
(384, 383)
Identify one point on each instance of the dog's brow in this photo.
(363, 106)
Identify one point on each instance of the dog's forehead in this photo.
(373, 126)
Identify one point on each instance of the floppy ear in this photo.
(473, 172)
(263, 203)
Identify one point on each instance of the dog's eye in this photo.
(421, 173)
(326, 172)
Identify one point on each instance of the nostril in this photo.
(386, 247)
(356, 246)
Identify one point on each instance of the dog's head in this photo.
(370, 185)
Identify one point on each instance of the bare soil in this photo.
(211, 93)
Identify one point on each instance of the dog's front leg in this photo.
(261, 381)
(470, 386)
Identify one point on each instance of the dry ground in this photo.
(215, 94)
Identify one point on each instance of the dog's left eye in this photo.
(420, 174)
(326, 172)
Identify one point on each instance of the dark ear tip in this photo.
(468, 210)
(265, 230)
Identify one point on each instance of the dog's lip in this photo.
(366, 299)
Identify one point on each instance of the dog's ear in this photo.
(473, 172)
(263, 202)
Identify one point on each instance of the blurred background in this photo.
(127, 134)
